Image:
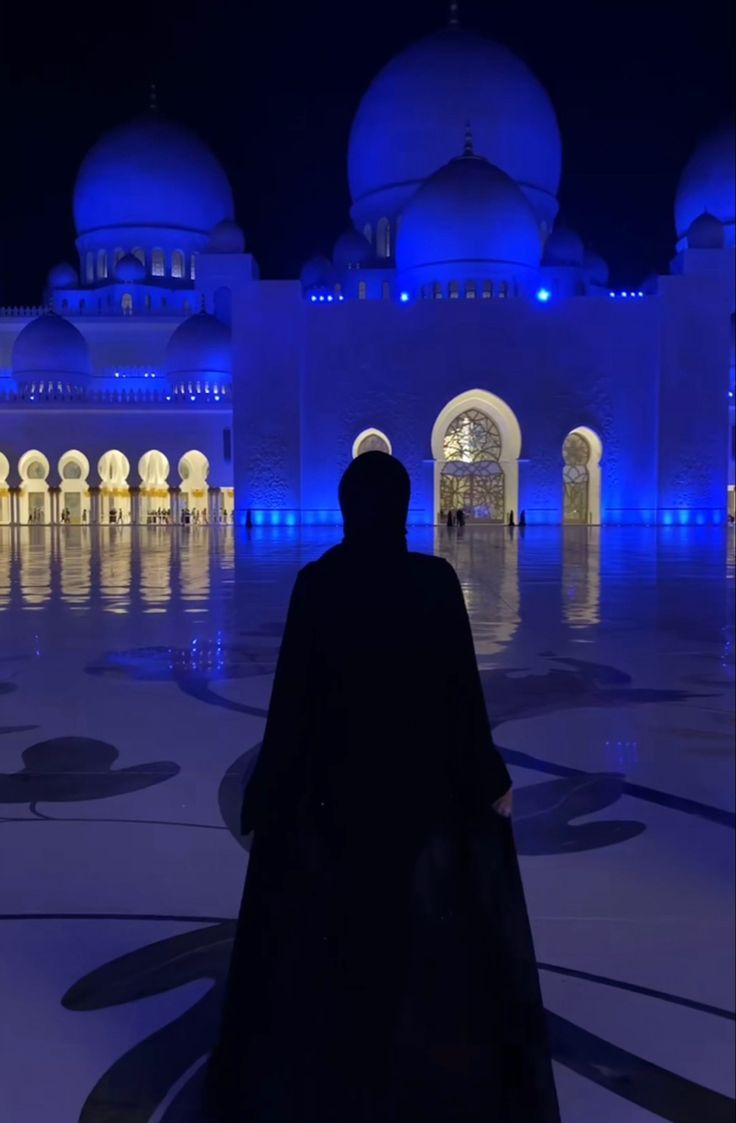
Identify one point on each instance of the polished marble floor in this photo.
(135, 669)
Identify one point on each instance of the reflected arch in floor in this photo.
(476, 444)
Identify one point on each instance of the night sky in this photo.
(273, 90)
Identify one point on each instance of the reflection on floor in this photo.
(135, 669)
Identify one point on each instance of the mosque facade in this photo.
(458, 323)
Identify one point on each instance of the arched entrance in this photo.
(476, 443)
(155, 498)
(33, 502)
(194, 468)
(581, 485)
(371, 440)
(74, 497)
(4, 490)
(113, 467)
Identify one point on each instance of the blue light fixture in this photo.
(543, 295)
(404, 298)
(612, 294)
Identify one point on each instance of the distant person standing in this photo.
(522, 519)
(511, 519)
(460, 518)
(450, 519)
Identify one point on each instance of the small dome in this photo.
(408, 122)
(50, 346)
(318, 273)
(708, 183)
(563, 247)
(200, 346)
(596, 268)
(706, 233)
(151, 172)
(62, 276)
(226, 237)
(467, 216)
(351, 250)
(129, 268)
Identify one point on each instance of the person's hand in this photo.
(504, 805)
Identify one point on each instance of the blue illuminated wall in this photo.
(310, 378)
(693, 433)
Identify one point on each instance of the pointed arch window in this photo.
(127, 304)
(177, 264)
(102, 264)
(193, 267)
(157, 263)
(89, 267)
(140, 254)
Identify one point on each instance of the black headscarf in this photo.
(374, 500)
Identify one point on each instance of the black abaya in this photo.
(383, 970)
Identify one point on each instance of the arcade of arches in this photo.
(117, 499)
(476, 444)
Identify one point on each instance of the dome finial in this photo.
(454, 17)
(468, 149)
(153, 97)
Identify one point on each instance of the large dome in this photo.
(412, 116)
(151, 173)
(200, 347)
(708, 183)
(468, 221)
(50, 346)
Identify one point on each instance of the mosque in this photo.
(458, 324)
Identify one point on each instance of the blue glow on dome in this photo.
(151, 173)
(410, 120)
(468, 219)
(708, 183)
(50, 345)
(200, 346)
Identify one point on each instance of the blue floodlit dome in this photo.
(708, 183)
(596, 268)
(563, 247)
(226, 237)
(318, 272)
(50, 346)
(351, 250)
(409, 120)
(62, 276)
(130, 269)
(200, 346)
(151, 173)
(467, 218)
(706, 233)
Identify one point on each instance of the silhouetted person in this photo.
(383, 969)
(450, 518)
(248, 520)
(460, 517)
(522, 519)
(511, 519)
